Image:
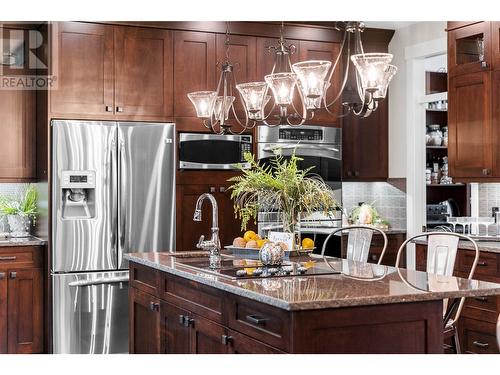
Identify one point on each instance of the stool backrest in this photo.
(358, 242)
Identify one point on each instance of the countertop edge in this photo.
(19, 242)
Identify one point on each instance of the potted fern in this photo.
(281, 186)
(20, 211)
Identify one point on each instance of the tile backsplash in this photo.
(488, 197)
(389, 201)
(12, 190)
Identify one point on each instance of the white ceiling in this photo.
(392, 25)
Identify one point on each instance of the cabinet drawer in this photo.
(485, 303)
(144, 278)
(479, 337)
(242, 344)
(21, 257)
(486, 266)
(262, 322)
(193, 296)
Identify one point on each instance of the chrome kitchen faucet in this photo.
(212, 245)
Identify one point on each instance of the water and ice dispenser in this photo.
(78, 194)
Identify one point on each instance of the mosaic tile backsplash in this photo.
(488, 197)
(389, 201)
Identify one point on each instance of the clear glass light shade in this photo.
(222, 107)
(315, 103)
(384, 82)
(311, 76)
(253, 95)
(260, 114)
(371, 68)
(283, 86)
(203, 102)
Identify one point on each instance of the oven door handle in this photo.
(105, 280)
(299, 147)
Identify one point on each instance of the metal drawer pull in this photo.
(225, 339)
(480, 344)
(109, 108)
(256, 319)
(7, 258)
(13, 275)
(482, 264)
(154, 306)
(119, 109)
(2, 275)
(481, 299)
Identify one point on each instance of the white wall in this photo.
(408, 36)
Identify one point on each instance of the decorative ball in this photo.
(271, 254)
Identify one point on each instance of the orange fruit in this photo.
(307, 243)
(249, 235)
(261, 242)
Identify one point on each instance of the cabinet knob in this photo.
(226, 339)
(119, 109)
(484, 64)
(222, 189)
(2, 275)
(356, 173)
(13, 275)
(212, 189)
(181, 319)
(188, 321)
(109, 108)
(486, 172)
(154, 306)
(349, 173)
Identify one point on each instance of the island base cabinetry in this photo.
(175, 315)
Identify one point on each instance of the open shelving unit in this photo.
(436, 86)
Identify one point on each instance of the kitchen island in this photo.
(177, 305)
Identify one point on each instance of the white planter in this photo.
(19, 225)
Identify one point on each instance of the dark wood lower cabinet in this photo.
(199, 319)
(21, 300)
(144, 324)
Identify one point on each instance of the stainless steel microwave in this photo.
(212, 151)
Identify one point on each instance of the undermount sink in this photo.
(190, 254)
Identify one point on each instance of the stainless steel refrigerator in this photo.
(113, 192)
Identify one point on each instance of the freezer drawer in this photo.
(90, 313)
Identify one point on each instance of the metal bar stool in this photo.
(498, 332)
(359, 242)
(442, 248)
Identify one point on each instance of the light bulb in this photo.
(283, 93)
(254, 100)
(203, 106)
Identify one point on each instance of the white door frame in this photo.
(415, 135)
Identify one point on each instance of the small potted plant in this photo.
(20, 211)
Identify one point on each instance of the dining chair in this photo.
(358, 242)
(442, 248)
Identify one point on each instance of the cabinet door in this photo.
(469, 49)
(495, 44)
(469, 138)
(243, 56)
(25, 311)
(17, 144)
(83, 64)
(495, 121)
(143, 73)
(194, 68)
(3, 313)
(230, 227)
(206, 337)
(175, 335)
(144, 323)
(242, 344)
(325, 51)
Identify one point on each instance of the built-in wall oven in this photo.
(212, 151)
(319, 147)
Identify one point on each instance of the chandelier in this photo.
(273, 101)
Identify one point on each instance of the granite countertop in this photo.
(486, 246)
(358, 284)
(25, 241)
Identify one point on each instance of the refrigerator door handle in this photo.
(106, 280)
(122, 199)
(114, 200)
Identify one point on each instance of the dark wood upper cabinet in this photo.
(18, 128)
(243, 56)
(25, 316)
(143, 72)
(469, 49)
(83, 65)
(495, 121)
(469, 125)
(144, 323)
(194, 68)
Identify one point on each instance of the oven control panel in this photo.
(301, 134)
